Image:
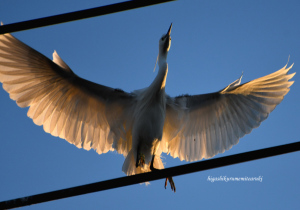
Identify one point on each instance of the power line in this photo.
(126, 181)
(78, 15)
(160, 174)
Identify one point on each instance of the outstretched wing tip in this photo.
(67, 106)
(218, 120)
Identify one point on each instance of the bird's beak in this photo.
(169, 31)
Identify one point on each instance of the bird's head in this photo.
(165, 42)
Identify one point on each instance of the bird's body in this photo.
(149, 118)
(142, 124)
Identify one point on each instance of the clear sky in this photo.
(212, 43)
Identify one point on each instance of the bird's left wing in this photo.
(84, 113)
(202, 126)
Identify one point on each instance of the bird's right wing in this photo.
(84, 113)
(202, 126)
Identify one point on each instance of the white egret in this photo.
(142, 124)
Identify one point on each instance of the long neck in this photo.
(156, 91)
(159, 82)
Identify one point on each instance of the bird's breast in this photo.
(148, 129)
(148, 121)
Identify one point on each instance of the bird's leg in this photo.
(151, 165)
(140, 159)
(172, 184)
(137, 160)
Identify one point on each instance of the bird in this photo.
(144, 123)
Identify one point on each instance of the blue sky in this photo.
(212, 43)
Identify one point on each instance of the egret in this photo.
(141, 124)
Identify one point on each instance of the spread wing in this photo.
(84, 113)
(202, 126)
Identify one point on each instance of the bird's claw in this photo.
(172, 184)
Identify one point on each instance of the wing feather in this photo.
(202, 126)
(86, 114)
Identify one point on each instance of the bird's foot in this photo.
(140, 161)
(172, 184)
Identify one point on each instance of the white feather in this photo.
(147, 121)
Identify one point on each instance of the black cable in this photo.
(77, 15)
(159, 174)
(125, 181)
